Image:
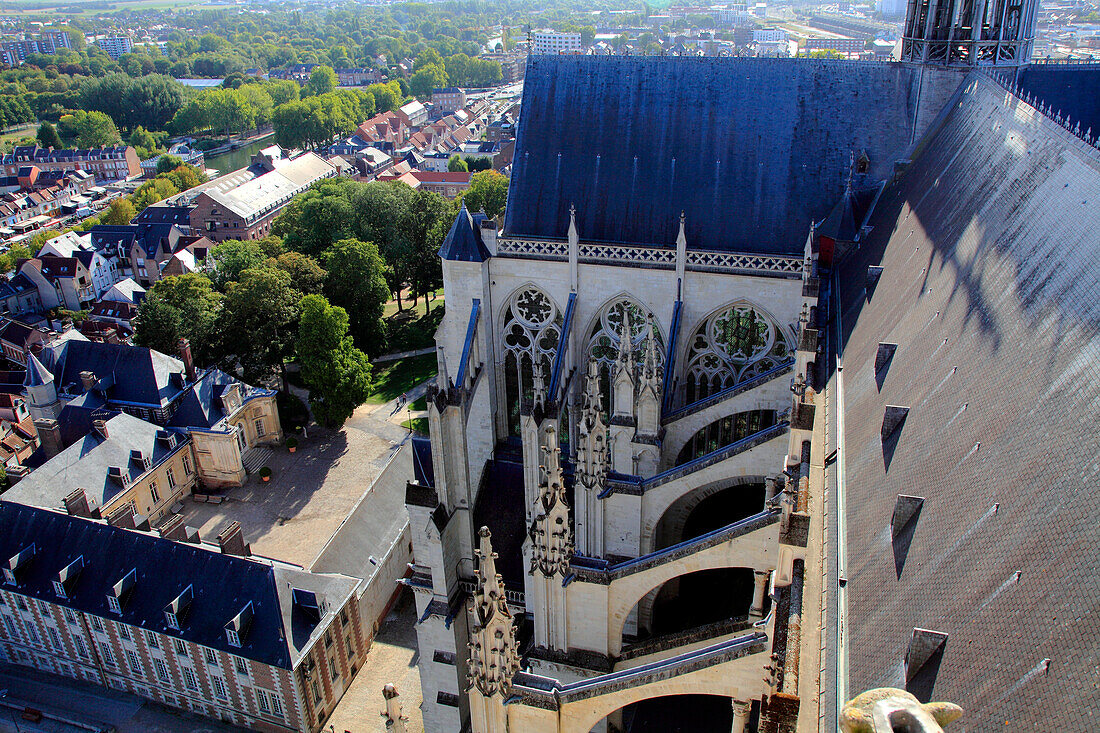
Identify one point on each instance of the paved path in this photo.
(402, 355)
(392, 658)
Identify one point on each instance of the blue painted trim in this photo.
(670, 363)
(728, 392)
(559, 358)
(471, 331)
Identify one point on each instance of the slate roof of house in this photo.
(990, 288)
(164, 214)
(222, 584)
(125, 289)
(201, 406)
(84, 464)
(752, 150)
(131, 374)
(463, 242)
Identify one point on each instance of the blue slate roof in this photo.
(131, 374)
(463, 242)
(751, 150)
(222, 584)
(1073, 89)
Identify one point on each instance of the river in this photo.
(239, 158)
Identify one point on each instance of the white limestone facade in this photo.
(614, 423)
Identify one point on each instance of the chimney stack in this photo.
(231, 541)
(188, 361)
(101, 428)
(77, 505)
(88, 379)
(49, 436)
(122, 517)
(173, 529)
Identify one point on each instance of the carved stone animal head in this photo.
(889, 710)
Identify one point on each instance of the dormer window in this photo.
(176, 611)
(65, 581)
(238, 626)
(120, 477)
(120, 591)
(17, 563)
(140, 459)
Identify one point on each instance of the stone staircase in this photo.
(256, 458)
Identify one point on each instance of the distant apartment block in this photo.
(769, 35)
(13, 52)
(843, 45)
(106, 164)
(115, 46)
(448, 100)
(553, 42)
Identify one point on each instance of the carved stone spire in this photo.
(538, 378)
(651, 368)
(626, 345)
(493, 656)
(551, 534)
(592, 433)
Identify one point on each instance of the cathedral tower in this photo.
(970, 32)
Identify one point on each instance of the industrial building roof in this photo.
(257, 196)
(990, 290)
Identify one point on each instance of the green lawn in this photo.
(394, 378)
(418, 425)
(391, 306)
(407, 332)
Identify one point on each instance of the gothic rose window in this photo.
(603, 342)
(532, 327)
(733, 344)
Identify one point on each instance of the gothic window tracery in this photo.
(733, 344)
(532, 327)
(603, 342)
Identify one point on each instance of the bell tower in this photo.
(998, 33)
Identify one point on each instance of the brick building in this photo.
(246, 211)
(250, 641)
(106, 164)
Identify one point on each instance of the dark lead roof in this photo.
(751, 150)
(991, 290)
(463, 243)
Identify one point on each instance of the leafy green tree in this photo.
(180, 306)
(318, 217)
(231, 258)
(168, 163)
(259, 323)
(119, 211)
(356, 282)
(89, 129)
(322, 80)
(425, 222)
(455, 164)
(283, 91)
(338, 374)
(488, 192)
(428, 78)
(153, 191)
(306, 275)
(386, 96)
(48, 137)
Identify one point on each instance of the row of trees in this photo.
(262, 305)
(432, 71)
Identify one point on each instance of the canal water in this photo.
(239, 158)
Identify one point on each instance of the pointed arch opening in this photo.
(604, 338)
(731, 345)
(532, 325)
